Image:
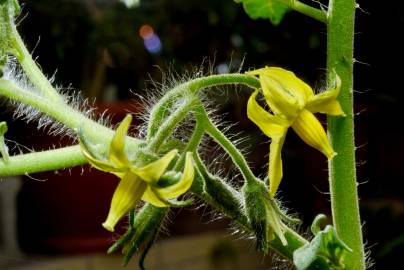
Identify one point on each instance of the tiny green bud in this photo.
(263, 215)
(223, 196)
(169, 178)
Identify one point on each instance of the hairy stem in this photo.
(63, 113)
(30, 67)
(161, 109)
(342, 176)
(226, 144)
(192, 145)
(168, 126)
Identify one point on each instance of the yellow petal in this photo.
(182, 185)
(275, 163)
(279, 100)
(152, 172)
(285, 92)
(291, 83)
(326, 102)
(153, 198)
(117, 153)
(129, 191)
(312, 132)
(270, 125)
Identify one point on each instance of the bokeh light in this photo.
(151, 40)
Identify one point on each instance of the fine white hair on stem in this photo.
(156, 90)
(13, 73)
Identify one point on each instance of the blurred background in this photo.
(112, 53)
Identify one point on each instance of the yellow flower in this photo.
(292, 103)
(137, 183)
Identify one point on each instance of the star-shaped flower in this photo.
(292, 104)
(138, 183)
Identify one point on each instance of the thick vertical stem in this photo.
(343, 185)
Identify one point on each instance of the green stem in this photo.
(158, 113)
(43, 161)
(237, 158)
(62, 113)
(307, 10)
(170, 124)
(342, 170)
(192, 145)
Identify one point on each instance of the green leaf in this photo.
(326, 245)
(266, 9)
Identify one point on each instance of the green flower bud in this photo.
(142, 232)
(263, 215)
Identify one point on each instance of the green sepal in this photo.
(123, 240)
(143, 229)
(3, 146)
(146, 251)
(266, 9)
(265, 216)
(326, 246)
(98, 151)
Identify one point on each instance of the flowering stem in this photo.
(342, 170)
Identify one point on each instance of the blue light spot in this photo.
(153, 44)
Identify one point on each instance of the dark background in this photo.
(95, 46)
